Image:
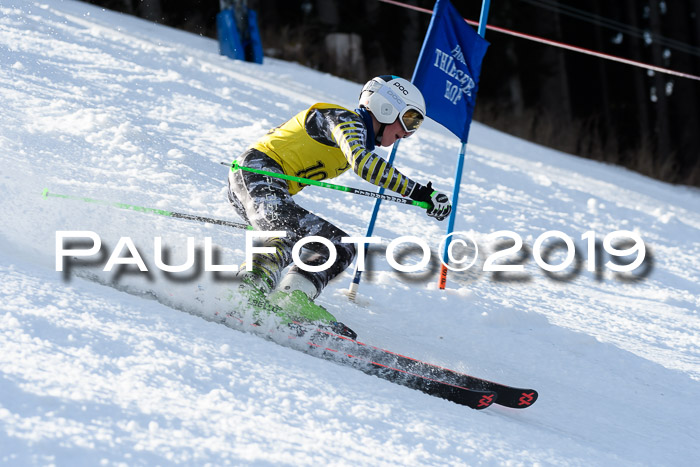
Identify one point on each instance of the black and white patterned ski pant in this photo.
(265, 203)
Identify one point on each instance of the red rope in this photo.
(558, 44)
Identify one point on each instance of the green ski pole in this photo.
(161, 212)
(307, 181)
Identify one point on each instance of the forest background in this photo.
(583, 105)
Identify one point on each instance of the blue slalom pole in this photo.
(485, 5)
(442, 281)
(357, 274)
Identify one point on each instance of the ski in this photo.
(326, 344)
(507, 396)
(356, 356)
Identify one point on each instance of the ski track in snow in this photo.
(107, 106)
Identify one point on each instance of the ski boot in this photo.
(294, 297)
(296, 307)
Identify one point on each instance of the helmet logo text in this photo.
(401, 88)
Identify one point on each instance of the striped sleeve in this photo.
(350, 138)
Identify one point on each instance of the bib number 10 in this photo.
(633, 245)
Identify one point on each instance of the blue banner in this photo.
(448, 69)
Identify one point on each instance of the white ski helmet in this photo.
(389, 97)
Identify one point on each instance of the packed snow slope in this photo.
(101, 105)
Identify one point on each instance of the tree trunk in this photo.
(662, 128)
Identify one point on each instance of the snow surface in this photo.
(106, 106)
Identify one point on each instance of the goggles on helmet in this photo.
(411, 119)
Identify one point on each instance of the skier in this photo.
(318, 143)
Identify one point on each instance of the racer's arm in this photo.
(351, 136)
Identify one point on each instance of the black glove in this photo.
(440, 206)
